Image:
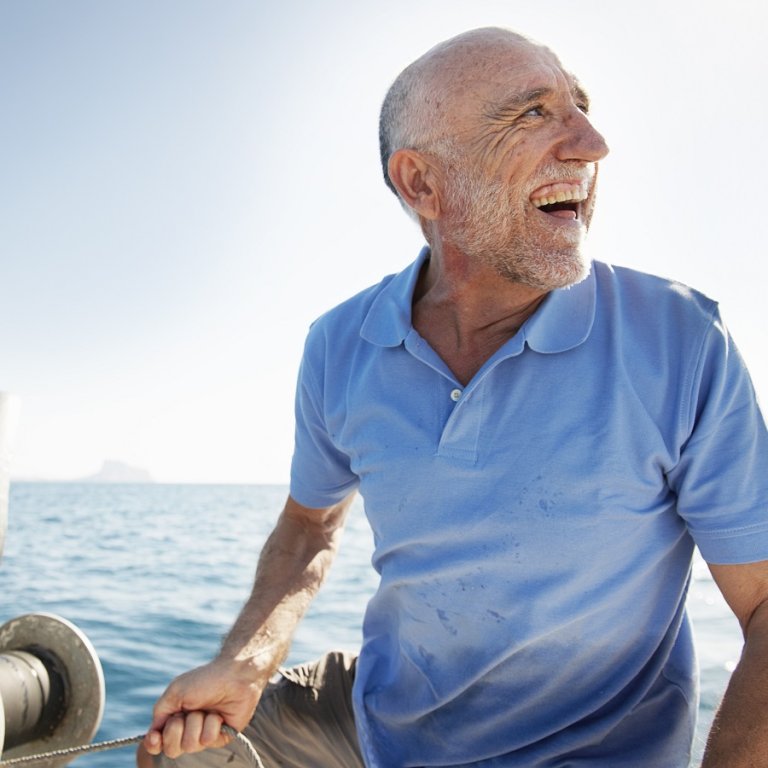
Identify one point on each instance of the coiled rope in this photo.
(103, 746)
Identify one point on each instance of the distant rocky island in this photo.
(117, 472)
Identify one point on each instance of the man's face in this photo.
(520, 176)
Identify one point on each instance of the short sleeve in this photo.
(320, 472)
(721, 479)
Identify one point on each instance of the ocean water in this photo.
(154, 575)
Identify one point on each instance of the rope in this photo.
(103, 746)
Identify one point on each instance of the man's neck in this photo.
(468, 311)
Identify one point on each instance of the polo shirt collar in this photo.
(388, 321)
(562, 322)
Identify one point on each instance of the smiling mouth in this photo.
(562, 199)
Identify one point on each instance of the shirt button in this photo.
(455, 395)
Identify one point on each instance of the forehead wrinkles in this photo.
(464, 83)
(441, 82)
(515, 81)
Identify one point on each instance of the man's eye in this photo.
(584, 107)
(534, 112)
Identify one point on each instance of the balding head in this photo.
(487, 142)
(419, 107)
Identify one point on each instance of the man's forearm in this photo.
(292, 567)
(739, 734)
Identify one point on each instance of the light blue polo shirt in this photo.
(534, 530)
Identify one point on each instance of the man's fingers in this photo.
(153, 742)
(173, 732)
(193, 730)
(212, 735)
(184, 733)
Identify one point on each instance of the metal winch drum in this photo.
(51, 688)
(51, 681)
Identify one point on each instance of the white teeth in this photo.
(574, 194)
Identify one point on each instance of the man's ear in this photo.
(415, 177)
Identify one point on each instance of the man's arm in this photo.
(739, 734)
(292, 566)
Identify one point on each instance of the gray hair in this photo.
(414, 108)
(400, 121)
(408, 120)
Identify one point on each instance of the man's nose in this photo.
(581, 140)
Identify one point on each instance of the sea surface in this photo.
(155, 574)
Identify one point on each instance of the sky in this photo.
(185, 185)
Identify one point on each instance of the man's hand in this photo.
(189, 716)
(294, 561)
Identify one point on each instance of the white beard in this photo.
(487, 225)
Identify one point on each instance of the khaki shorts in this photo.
(304, 720)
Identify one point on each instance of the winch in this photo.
(51, 687)
(51, 681)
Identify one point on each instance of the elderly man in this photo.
(539, 442)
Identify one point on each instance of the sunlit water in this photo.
(154, 575)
